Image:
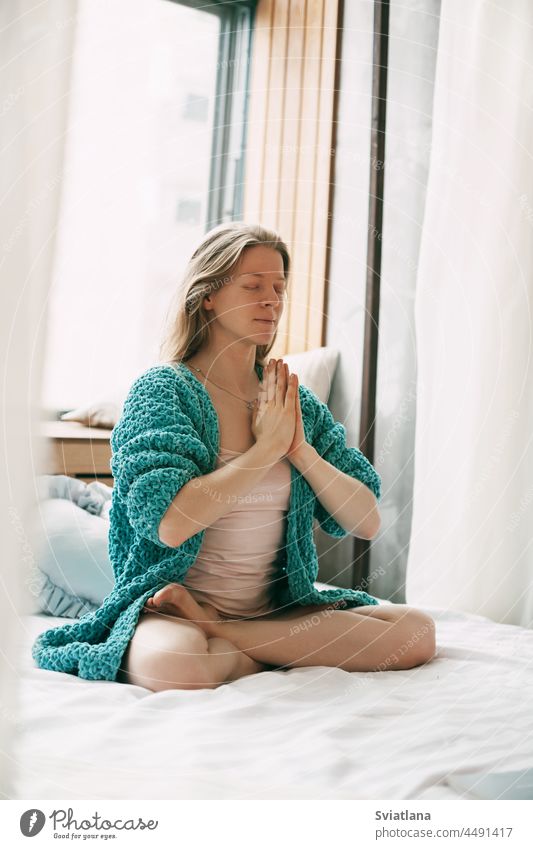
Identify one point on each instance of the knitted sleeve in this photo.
(329, 439)
(156, 450)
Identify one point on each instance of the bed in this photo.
(307, 733)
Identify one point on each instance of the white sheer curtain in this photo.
(472, 524)
(35, 46)
(135, 190)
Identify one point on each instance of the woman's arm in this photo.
(348, 501)
(346, 485)
(203, 500)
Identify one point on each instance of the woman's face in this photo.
(250, 303)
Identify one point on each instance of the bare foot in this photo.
(176, 600)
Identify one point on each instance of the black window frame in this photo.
(226, 177)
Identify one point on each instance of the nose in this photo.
(274, 298)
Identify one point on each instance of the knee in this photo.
(184, 672)
(175, 671)
(419, 644)
(428, 632)
(183, 665)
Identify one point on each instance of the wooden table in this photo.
(77, 451)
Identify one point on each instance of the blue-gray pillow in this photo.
(75, 572)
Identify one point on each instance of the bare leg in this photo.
(353, 641)
(169, 652)
(228, 663)
(359, 639)
(224, 661)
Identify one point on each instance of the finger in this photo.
(274, 380)
(286, 378)
(280, 384)
(291, 389)
(285, 374)
(271, 382)
(268, 382)
(261, 404)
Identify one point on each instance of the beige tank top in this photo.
(238, 561)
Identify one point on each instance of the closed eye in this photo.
(281, 292)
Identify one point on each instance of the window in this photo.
(150, 165)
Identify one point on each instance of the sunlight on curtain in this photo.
(135, 193)
(470, 544)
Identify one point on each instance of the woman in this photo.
(221, 463)
(223, 619)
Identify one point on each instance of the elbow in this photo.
(174, 520)
(375, 529)
(167, 531)
(371, 527)
(174, 529)
(166, 538)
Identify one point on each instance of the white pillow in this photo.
(101, 414)
(315, 369)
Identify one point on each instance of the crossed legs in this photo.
(171, 652)
(183, 644)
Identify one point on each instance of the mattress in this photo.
(303, 733)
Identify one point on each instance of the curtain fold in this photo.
(470, 545)
(36, 46)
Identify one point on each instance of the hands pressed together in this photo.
(277, 415)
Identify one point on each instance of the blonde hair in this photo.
(209, 268)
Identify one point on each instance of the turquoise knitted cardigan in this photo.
(168, 434)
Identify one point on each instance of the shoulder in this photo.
(161, 382)
(157, 396)
(162, 374)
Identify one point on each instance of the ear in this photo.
(208, 299)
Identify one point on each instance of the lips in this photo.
(266, 321)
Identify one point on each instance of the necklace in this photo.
(249, 404)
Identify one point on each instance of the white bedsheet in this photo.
(314, 732)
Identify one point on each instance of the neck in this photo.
(232, 370)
